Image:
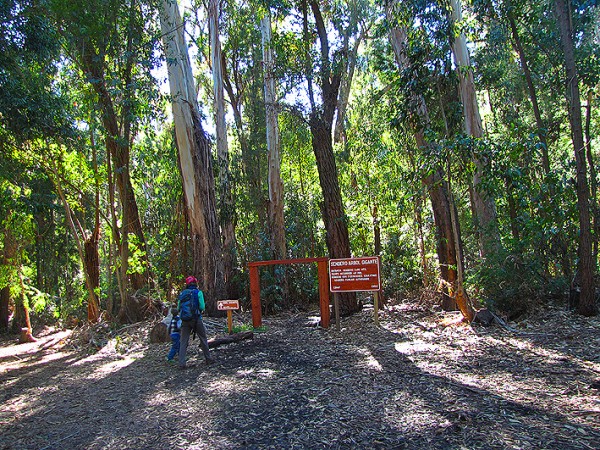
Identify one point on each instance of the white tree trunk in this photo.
(276, 217)
(483, 204)
(194, 157)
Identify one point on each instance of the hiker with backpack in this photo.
(190, 306)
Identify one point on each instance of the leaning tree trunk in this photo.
(448, 248)
(195, 160)
(587, 301)
(226, 203)
(483, 204)
(86, 247)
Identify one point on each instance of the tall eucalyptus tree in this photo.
(587, 298)
(482, 201)
(195, 159)
(327, 70)
(109, 42)
(226, 202)
(448, 236)
(275, 209)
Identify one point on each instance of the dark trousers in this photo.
(186, 331)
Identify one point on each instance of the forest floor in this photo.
(419, 381)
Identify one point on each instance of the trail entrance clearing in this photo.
(323, 286)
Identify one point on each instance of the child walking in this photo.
(175, 333)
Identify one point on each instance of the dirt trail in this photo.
(413, 383)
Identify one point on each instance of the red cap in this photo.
(190, 280)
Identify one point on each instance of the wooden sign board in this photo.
(228, 305)
(354, 274)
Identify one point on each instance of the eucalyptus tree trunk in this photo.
(420, 199)
(226, 203)
(321, 127)
(339, 134)
(91, 244)
(118, 138)
(593, 176)
(21, 321)
(251, 164)
(194, 159)
(275, 208)
(448, 239)
(85, 247)
(587, 301)
(9, 252)
(541, 129)
(483, 203)
(116, 245)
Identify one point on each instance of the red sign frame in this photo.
(354, 274)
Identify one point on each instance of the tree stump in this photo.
(159, 334)
(484, 317)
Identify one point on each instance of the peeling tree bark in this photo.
(195, 160)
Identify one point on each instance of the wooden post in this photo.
(376, 307)
(336, 305)
(229, 320)
(323, 292)
(255, 297)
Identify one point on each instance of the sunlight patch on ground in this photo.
(42, 343)
(552, 356)
(108, 368)
(223, 386)
(412, 347)
(370, 361)
(405, 405)
(26, 361)
(161, 398)
(227, 385)
(261, 373)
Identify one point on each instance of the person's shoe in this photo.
(186, 366)
(170, 361)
